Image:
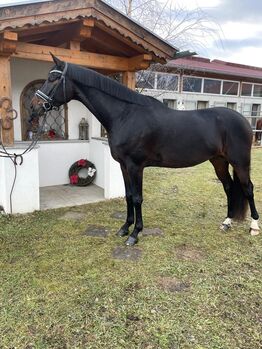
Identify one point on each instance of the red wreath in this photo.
(76, 167)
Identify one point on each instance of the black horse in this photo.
(144, 132)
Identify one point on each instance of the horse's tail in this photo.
(239, 200)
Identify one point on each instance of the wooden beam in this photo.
(140, 62)
(8, 36)
(129, 79)
(87, 59)
(7, 132)
(74, 45)
(89, 22)
(84, 30)
(7, 42)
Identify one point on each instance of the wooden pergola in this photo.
(85, 32)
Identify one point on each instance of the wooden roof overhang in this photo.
(86, 32)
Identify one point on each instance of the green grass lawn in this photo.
(194, 287)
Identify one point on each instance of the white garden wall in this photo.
(25, 197)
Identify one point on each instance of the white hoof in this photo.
(226, 225)
(254, 232)
(254, 227)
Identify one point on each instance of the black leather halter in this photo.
(48, 100)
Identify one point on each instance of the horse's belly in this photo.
(185, 155)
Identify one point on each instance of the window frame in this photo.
(164, 73)
(213, 94)
(238, 88)
(195, 77)
(23, 112)
(253, 89)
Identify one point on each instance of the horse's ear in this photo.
(56, 60)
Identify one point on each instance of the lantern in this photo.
(83, 129)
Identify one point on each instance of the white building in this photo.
(197, 83)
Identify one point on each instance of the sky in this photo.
(240, 29)
(239, 26)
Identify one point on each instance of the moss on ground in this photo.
(192, 288)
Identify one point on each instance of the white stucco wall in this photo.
(113, 181)
(56, 159)
(25, 197)
(96, 156)
(109, 175)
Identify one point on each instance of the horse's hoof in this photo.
(225, 227)
(254, 232)
(131, 241)
(122, 232)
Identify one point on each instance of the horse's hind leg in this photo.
(221, 168)
(242, 173)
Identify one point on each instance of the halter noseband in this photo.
(48, 100)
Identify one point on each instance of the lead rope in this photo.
(14, 157)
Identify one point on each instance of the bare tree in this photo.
(185, 29)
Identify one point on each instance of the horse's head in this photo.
(56, 90)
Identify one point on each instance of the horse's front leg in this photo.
(124, 230)
(136, 179)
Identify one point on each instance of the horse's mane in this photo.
(88, 77)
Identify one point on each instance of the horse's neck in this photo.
(106, 108)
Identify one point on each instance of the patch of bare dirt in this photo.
(188, 253)
(173, 284)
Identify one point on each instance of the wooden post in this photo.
(7, 132)
(129, 79)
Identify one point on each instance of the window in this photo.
(256, 108)
(202, 104)
(257, 91)
(212, 86)
(191, 84)
(230, 88)
(56, 125)
(246, 89)
(167, 82)
(145, 79)
(170, 103)
(246, 109)
(231, 105)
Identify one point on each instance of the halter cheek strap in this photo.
(48, 100)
